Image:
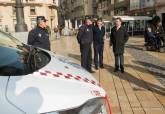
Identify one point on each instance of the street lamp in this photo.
(20, 26)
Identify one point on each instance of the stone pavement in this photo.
(141, 90)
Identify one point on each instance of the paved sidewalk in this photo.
(141, 90)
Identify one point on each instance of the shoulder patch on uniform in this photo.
(39, 34)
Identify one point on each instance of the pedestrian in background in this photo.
(39, 36)
(160, 34)
(119, 36)
(85, 39)
(57, 32)
(98, 43)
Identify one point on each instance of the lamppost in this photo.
(20, 26)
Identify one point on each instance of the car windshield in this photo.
(17, 58)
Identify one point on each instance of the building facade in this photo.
(109, 8)
(160, 10)
(77, 10)
(105, 9)
(121, 7)
(142, 8)
(32, 9)
(61, 13)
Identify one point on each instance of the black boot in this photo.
(122, 68)
(101, 66)
(91, 71)
(96, 67)
(116, 68)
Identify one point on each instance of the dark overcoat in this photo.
(118, 39)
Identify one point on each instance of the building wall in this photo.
(88, 7)
(149, 3)
(77, 10)
(160, 7)
(134, 4)
(42, 7)
(142, 7)
(106, 9)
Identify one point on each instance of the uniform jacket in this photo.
(85, 34)
(118, 39)
(39, 37)
(98, 35)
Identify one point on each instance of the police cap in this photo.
(39, 18)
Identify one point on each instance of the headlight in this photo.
(52, 113)
(94, 106)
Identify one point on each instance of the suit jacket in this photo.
(98, 35)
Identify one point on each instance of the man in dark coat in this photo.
(85, 39)
(39, 36)
(119, 37)
(98, 38)
(160, 34)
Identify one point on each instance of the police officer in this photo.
(85, 39)
(98, 33)
(39, 36)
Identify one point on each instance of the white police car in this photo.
(35, 81)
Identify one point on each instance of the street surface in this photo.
(141, 90)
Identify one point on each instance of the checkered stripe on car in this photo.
(66, 76)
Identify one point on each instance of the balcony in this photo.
(122, 4)
(159, 4)
(111, 7)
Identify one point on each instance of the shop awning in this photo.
(133, 18)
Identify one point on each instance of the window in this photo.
(54, 1)
(14, 22)
(1, 24)
(14, 10)
(33, 23)
(32, 10)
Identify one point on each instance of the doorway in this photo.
(163, 20)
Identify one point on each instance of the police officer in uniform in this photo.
(98, 33)
(39, 36)
(85, 39)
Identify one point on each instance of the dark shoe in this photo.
(116, 69)
(122, 69)
(96, 67)
(91, 71)
(102, 67)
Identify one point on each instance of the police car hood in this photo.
(60, 85)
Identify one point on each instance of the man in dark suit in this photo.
(98, 38)
(119, 37)
(85, 39)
